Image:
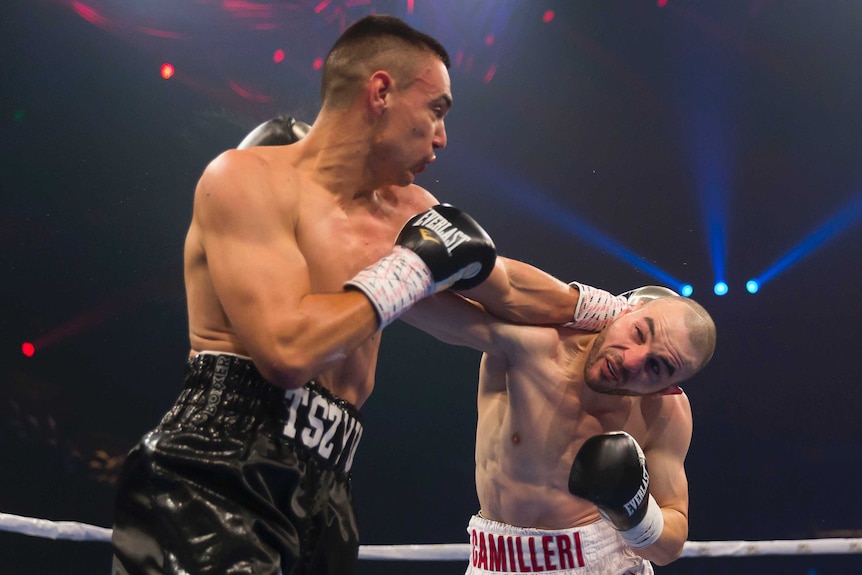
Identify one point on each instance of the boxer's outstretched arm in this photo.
(243, 237)
(518, 292)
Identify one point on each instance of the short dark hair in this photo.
(378, 41)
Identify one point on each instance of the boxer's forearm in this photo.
(521, 293)
(669, 546)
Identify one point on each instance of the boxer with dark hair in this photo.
(295, 259)
(581, 436)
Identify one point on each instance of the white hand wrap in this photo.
(648, 530)
(596, 308)
(394, 283)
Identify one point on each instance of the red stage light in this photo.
(278, 56)
(28, 349)
(90, 14)
(489, 75)
(167, 70)
(548, 16)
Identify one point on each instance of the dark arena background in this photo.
(712, 146)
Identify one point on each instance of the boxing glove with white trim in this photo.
(437, 249)
(610, 471)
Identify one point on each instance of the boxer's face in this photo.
(644, 351)
(415, 124)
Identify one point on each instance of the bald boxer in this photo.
(296, 259)
(581, 436)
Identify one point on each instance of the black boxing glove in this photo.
(437, 249)
(278, 131)
(610, 471)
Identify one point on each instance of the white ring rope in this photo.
(71, 530)
(74, 531)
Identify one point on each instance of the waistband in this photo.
(595, 548)
(225, 393)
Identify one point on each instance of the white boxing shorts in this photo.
(595, 549)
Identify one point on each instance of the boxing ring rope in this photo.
(74, 531)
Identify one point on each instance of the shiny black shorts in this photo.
(240, 477)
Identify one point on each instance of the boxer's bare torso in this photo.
(301, 239)
(534, 416)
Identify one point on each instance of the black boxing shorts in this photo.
(240, 477)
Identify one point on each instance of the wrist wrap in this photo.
(394, 284)
(648, 530)
(596, 308)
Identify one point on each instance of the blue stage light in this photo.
(708, 129)
(528, 199)
(752, 286)
(686, 290)
(842, 220)
(720, 288)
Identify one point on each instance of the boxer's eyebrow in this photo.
(651, 325)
